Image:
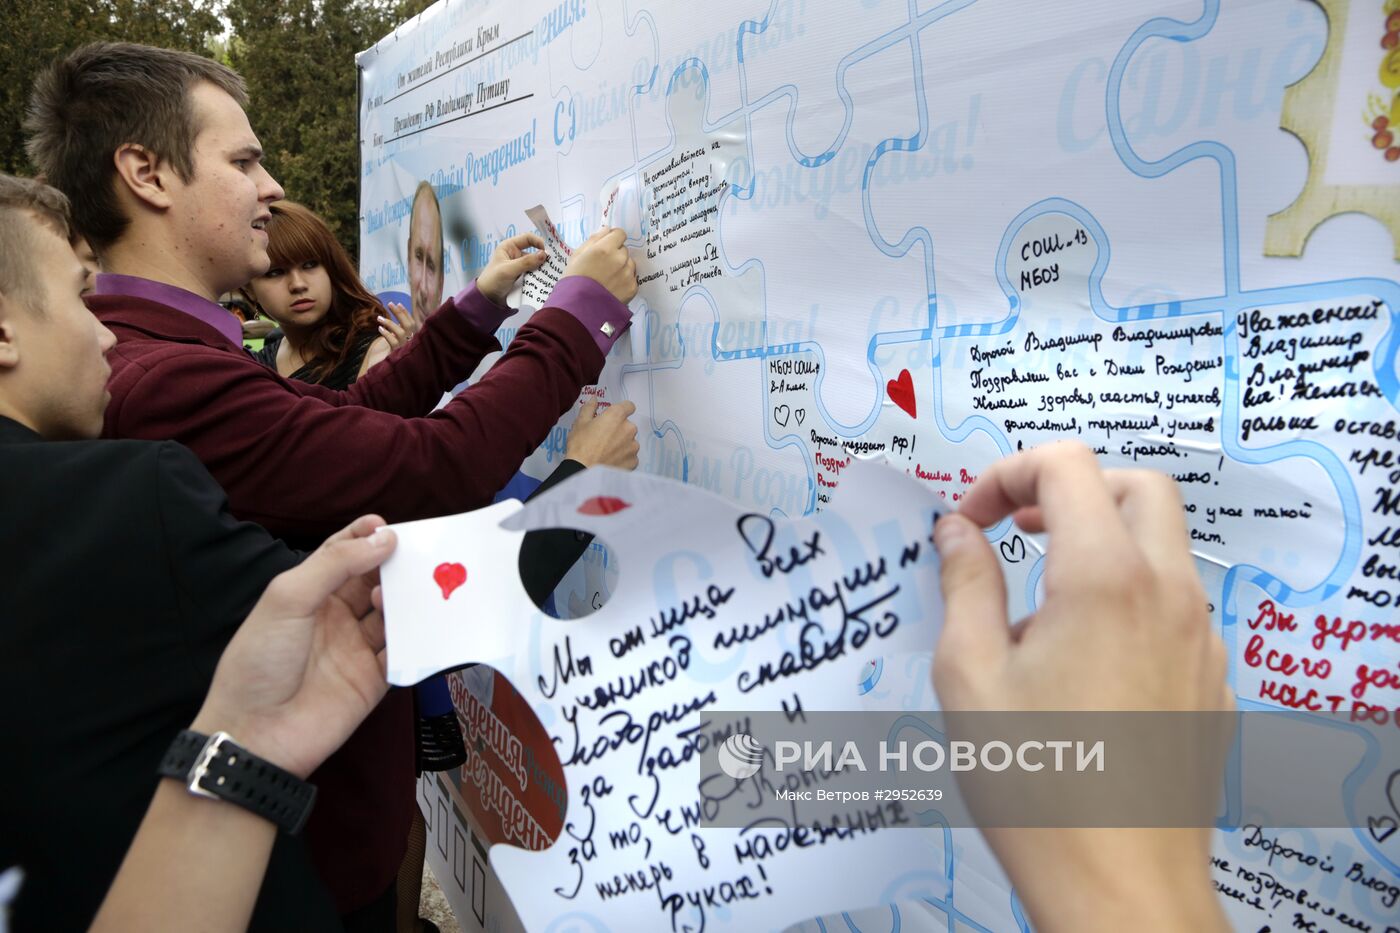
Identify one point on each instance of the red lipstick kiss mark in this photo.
(449, 577)
(603, 505)
(901, 392)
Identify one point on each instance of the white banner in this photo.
(938, 232)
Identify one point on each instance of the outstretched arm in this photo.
(253, 429)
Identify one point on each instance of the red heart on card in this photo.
(901, 392)
(449, 577)
(603, 505)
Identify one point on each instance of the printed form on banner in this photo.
(671, 207)
(715, 608)
(534, 287)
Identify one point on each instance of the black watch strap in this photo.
(216, 766)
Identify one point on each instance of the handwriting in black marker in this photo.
(757, 532)
(1013, 551)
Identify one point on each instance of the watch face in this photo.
(869, 675)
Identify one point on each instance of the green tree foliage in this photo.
(34, 32)
(298, 57)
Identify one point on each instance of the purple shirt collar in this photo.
(172, 296)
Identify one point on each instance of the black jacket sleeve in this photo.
(546, 556)
(220, 566)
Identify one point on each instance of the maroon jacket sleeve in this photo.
(303, 466)
(411, 380)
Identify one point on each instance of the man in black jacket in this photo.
(125, 578)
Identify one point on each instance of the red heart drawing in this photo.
(901, 392)
(603, 505)
(449, 577)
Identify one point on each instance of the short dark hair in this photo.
(105, 95)
(23, 203)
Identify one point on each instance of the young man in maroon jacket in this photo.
(164, 171)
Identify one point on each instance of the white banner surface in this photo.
(939, 232)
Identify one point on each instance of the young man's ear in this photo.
(143, 175)
(9, 350)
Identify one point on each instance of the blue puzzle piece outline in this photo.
(1234, 300)
(751, 29)
(1227, 305)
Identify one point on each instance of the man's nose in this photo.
(106, 340)
(269, 190)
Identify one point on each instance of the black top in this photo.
(339, 378)
(125, 577)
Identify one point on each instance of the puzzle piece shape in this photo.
(776, 475)
(616, 786)
(671, 206)
(1353, 167)
(801, 54)
(822, 303)
(692, 32)
(593, 82)
(972, 167)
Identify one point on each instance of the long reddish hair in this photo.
(295, 234)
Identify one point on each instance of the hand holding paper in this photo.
(715, 609)
(604, 258)
(607, 438)
(537, 283)
(508, 263)
(1136, 637)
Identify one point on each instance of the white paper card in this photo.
(534, 287)
(716, 607)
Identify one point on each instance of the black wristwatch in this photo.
(217, 767)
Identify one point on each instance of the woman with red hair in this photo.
(332, 328)
(332, 331)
